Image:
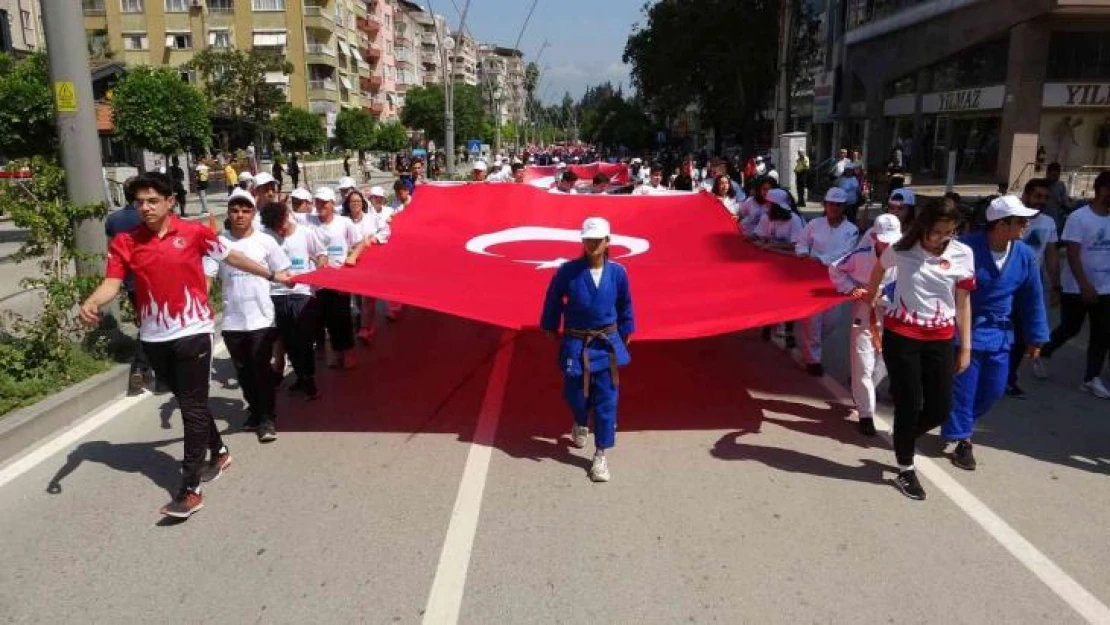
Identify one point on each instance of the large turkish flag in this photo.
(546, 175)
(488, 251)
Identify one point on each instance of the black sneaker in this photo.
(136, 383)
(184, 505)
(251, 424)
(908, 484)
(963, 456)
(790, 342)
(1015, 391)
(267, 433)
(867, 426)
(216, 467)
(815, 369)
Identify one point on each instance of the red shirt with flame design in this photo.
(170, 286)
(923, 305)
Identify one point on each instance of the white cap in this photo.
(240, 194)
(759, 159)
(1008, 206)
(517, 161)
(479, 166)
(324, 194)
(497, 162)
(246, 176)
(836, 195)
(636, 161)
(531, 159)
(595, 228)
(886, 228)
(301, 194)
(263, 178)
(554, 159)
(560, 165)
(346, 182)
(779, 197)
(904, 196)
(376, 192)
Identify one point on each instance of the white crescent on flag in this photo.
(481, 243)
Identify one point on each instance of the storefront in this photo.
(1075, 123)
(964, 121)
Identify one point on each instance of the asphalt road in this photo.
(438, 476)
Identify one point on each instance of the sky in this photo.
(586, 37)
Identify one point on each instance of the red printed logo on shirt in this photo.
(179, 242)
(944, 264)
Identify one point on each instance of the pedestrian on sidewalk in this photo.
(801, 170)
(1086, 285)
(1007, 295)
(180, 192)
(590, 300)
(851, 276)
(202, 172)
(175, 323)
(230, 177)
(294, 171)
(936, 275)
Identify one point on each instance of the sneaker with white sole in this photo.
(578, 435)
(599, 472)
(1040, 369)
(1095, 387)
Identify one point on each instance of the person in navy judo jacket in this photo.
(591, 299)
(1008, 279)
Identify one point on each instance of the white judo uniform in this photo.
(826, 244)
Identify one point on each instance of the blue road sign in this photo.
(474, 146)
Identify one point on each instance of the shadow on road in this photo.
(145, 458)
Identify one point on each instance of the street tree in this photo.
(155, 110)
(731, 79)
(424, 111)
(236, 86)
(390, 137)
(299, 130)
(26, 108)
(354, 129)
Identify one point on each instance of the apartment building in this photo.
(501, 73)
(464, 60)
(1001, 84)
(430, 32)
(324, 40)
(20, 27)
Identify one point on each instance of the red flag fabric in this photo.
(618, 174)
(488, 251)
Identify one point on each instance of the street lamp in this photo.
(497, 119)
(449, 104)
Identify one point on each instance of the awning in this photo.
(346, 83)
(358, 56)
(344, 49)
(275, 39)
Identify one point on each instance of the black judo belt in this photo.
(589, 336)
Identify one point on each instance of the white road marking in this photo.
(65, 438)
(446, 595)
(1070, 591)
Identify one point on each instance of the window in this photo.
(268, 5)
(92, 7)
(97, 41)
(189, 76)
(131, 6)
(219, 39)
(221, 6)
(179, 41)
(1078, 56)
(25, 19)
(135, 41)
(177, 6)
(269, 39)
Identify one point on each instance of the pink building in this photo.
(381, 87)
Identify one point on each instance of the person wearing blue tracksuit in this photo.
(1008, 278)
(591, 299)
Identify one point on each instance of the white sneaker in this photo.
(1040, 369)
(599, 472)
(578, 435)
(1095, 387)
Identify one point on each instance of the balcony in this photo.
(326, 89)
(377, 107)
(402, 40)
(320, 54)
(318, 17)
(371, 54)
(429, 58)
(429, 39)
(370, 83)
(403, 62)
(368, 25)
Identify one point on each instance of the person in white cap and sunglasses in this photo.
(824, 240)
(343, 244)
(851, 276)
(478, 171)
(1008, 280)
(345, 185)
(591, 301)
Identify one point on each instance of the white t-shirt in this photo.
(924, 303)
(751, 212)
(379, 231)
(1000, 257)
(247, 303)
(825, 243)
(1092, 232)
(1039, 234)
(730, 204)
(781, 231)
(647, 189)
(596, 275)
(339, 236)
(302, 246)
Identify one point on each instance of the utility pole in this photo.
(75, 115)
(449, 96)
(782, 92)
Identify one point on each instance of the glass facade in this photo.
(861, 12)
(978, 66)
(1079, 56)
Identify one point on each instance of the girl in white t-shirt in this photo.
(723, 191)
(779, 228)
(931, 300)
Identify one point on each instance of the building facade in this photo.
(20, 27)
(501, 76)
(326, 41)
(999, 85)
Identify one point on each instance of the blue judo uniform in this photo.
(997, 292)
(596, 321)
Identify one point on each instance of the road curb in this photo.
(23, 428)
